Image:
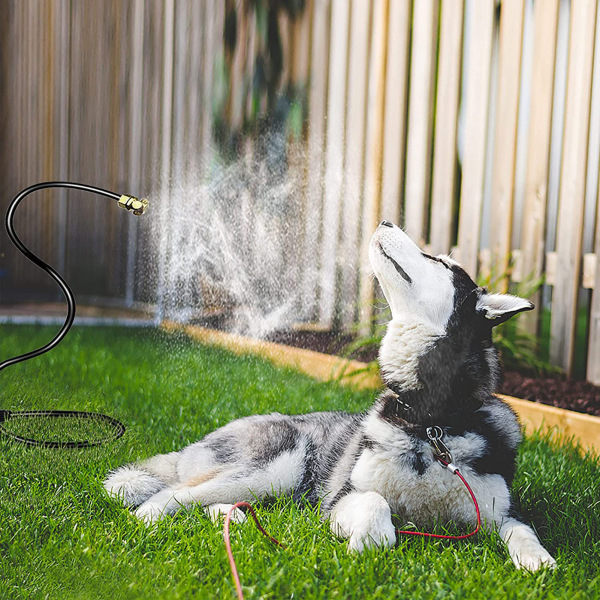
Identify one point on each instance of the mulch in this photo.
(579, 396)
(561, 392)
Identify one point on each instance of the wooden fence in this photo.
(475, 124)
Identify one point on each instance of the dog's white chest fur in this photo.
(430, 492)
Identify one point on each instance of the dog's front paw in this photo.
(533, 557)
(384, 536)
(365, 519)
(524, 547)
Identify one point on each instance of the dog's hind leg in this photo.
(135, 483)
(228, 486)
(225, 488)
(216, 511)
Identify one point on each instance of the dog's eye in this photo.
(400, 270)
(436, 259)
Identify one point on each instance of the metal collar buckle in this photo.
(440, 450)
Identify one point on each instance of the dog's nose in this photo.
(386, 224)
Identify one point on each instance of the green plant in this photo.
(519, 349)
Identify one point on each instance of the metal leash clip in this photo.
(435, 435)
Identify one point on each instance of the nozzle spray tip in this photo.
(138, 207)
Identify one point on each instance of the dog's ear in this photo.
(498, 308)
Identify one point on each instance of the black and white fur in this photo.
(439, 367)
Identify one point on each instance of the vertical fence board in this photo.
(545, 22)
(285, 28)
(559, 93)
(149, 236)
(300, 55)
(236, 86)
(298, 73)
(198, 32)
(32, 226)
(444, 152)
(317, 110)
(32, 113)
(185, 85)
(358, 83)
(9, 134)
(422, 70)
(62, 49)
(212, 51)
(251, 54)
(572, 183)
(136, 105)
(396, 87)
(593, 165)
(593, 360)
(334, 157)
(42, 164)
(505, 136)
(475, 119)
(166, 126)
(373, 157)
(119, 165)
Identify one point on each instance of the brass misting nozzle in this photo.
(138, 207)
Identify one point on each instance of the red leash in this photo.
(236, 578)
(234, 573)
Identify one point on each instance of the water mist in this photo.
(236, 246)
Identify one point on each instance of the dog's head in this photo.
(441, 319)
(433, 289)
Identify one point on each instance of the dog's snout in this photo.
(386, 224)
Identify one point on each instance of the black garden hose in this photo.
(129, 203)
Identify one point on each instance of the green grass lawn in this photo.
(61, 536)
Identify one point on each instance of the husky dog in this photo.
(440, 370)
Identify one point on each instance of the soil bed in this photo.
(579, 396)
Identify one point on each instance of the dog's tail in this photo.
(135, 483)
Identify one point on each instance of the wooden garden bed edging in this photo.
(325, 367)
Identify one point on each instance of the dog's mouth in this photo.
(398, 268)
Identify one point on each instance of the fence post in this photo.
(444, 152)
(213, 48)
(572, 183)
(545, 23)
(353, 187)
(317, 110)
(373, 158)
(304, 257)
(62, 12)
(593, 360)
(165, 157)
(334, 169)
(420, 113)
(136, 104)
(505, 136)
(479, 47)
(396, 94)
